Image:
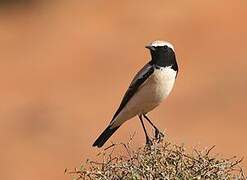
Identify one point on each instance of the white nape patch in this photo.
(162, 43)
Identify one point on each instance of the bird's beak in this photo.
(150, 47)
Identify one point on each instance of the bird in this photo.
(150, 86)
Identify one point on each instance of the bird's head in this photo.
(163, 53)
(159, 46)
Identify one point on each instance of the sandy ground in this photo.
(64, 67)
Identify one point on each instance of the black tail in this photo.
(108, 132)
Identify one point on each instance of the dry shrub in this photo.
(160, 161)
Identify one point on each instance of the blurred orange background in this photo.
(65, 65)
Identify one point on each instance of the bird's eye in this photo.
(165, 47)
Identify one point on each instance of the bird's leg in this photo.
(158, 135)
(148, 141)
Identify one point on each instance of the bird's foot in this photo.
(159, 136)
(149, 142)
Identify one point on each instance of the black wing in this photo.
(138, 80)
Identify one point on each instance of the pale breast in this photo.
(151, 93)
(163, 80)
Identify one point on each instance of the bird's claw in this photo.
(149, 142)
(159, 135)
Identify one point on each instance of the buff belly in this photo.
(151, 93)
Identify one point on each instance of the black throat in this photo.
(163, 58)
